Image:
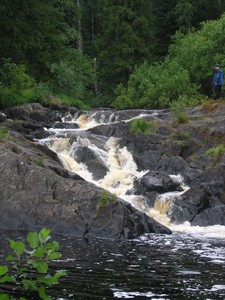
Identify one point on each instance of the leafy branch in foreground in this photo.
(27, 268)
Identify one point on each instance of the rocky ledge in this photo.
(36, 191)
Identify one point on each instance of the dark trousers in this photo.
(217, 90)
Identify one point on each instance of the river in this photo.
(175, 267)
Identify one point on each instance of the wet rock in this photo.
(211, 216)
(95, 164)
(159, 183)
(2, 117)
(33, 113)
(65, 125)
(176, 213)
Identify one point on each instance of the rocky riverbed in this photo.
(37, 191)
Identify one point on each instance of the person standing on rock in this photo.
(217, 81)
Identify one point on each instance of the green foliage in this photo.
(73, 75)
(3, 134)
(183, 16)
(28, 266)
(13, 75)
(216, 152)
(105, 199)
(140, 126)
(180, 135)
(17, 87)
(196, 52)
(71, 101)
(125, 38)
(155, 86)
(39, 160)
(93, 50)
(185, 73)
(38, 93)
(31, 33)
(14, 81)
(179, 113)
(184, 11)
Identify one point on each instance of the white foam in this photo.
(130, 295)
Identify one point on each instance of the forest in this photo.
(110, 53)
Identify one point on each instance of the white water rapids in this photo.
(122, 172)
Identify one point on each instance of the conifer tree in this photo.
(31, 33)
(126, 37)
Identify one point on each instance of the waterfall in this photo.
(119, 167)
(119, 162)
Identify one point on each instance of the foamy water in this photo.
(122, 170)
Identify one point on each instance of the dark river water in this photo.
(150, 267)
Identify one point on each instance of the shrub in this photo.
(217, 151)
(105, 199)
(179, 113)
(17, 87)
(3, 134)
(156, 86)
(39, 160)
(73, 76)
(186, 71)
(140, 126)
(180, 135)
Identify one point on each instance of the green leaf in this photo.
(44, 235)
(47, 280)
(40, 252)
(11, 258)
(33, 240)
(58, 275)
(23, 269)
(29, 284)
(41, 267)
(53, 246)
(42, 294)
(3, 270)
(7, 278)
(5, 297)
(54, 255)
(18, 247)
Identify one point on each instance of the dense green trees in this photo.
(94, 50)
(125, 39)
(185, 73)
(31, 33)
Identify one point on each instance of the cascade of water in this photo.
(122, 170)
(121, 167)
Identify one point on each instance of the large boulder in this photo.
(156, 182)
(32, 112)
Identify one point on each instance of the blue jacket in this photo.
(218, 77)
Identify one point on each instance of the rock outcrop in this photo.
(36, 191)
(181, 148)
